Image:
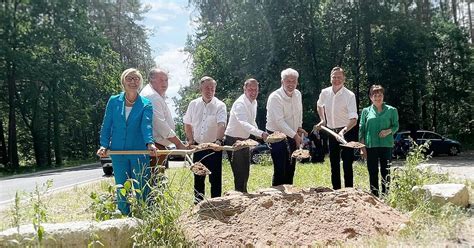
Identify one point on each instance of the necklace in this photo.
(130, 102)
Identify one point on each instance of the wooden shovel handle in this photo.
(161, 152)
(337, 136)
(147, 152)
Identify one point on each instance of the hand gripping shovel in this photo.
(197, 168)
(343, 142)
(301, 153)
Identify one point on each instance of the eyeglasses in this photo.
(129, 79)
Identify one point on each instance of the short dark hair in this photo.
(376, 88)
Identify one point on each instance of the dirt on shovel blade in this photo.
(199, 169)
(208, 146)
(275, 137)
(353, 144)
(241, 144)
(301, 154)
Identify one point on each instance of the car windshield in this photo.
(429, 135)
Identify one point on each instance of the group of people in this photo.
(138, 120)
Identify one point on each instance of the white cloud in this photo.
(164, 11)
(160, 17)
(177, 63)
(165, 29)
(165, 6)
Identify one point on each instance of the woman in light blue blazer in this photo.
(127, 125)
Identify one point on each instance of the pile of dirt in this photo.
(284, 215)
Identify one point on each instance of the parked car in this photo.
(438, 143)
(106, 163)
(108, 170)
(257, 152)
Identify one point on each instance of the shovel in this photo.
(301, 154)
(344, 143)
(196, 168)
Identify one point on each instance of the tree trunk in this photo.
(471, 31)
(3, 148)
(49, 134)
(13, 162)
(356, 55)
(454, 11)
(56, 129)
(368, 44)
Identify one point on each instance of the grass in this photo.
(306, 175)
(73, 204)
(428, 223)
(63, 206)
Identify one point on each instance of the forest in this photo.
(61, 60)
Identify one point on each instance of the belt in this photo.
(337, 129)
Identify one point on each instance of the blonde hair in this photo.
(129, 71)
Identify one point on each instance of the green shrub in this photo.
(104, 205)
(157, 216)
(405, 178)
(428, 220)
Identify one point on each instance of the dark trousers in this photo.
(283, 163)
(160, 160)
(240, 164)
(336, 152)
(374, 156)
(214, 163)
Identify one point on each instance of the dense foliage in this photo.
(417, 50)
(60, 61)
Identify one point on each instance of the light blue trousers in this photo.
(134, 167)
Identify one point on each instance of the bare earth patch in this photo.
(285, 215)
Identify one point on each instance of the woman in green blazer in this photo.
(378, 124)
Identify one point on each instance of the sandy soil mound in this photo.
(288, 216)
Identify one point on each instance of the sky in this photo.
(169, 22)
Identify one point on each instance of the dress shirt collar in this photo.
(213, 101)
(284, 95)
(384, 107)
(339, 92)
(247, 100)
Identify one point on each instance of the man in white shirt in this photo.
(204, 122)
(285, 114)
(337, 110)
(163, 123)
(241, 125)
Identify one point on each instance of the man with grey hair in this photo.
(240, 127)
(163, 123)
(285, 114)
(204, 122)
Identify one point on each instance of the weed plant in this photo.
(428, 220)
